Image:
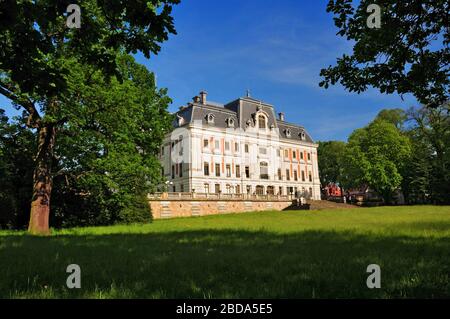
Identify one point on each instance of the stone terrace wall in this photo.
(168, 208)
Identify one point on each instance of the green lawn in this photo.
(294, 254)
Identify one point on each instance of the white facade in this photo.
(203, 156)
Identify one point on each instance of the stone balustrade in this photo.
(217, 196)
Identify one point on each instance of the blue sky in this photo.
(274, 48)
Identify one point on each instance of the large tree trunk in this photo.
(42, 182)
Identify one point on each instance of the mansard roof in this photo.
(295, 131)
(240, 111)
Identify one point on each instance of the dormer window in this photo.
(262, 122)
(230, 122)
(287, 132)
(302, 135)
(210, 118)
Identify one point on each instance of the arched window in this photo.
(264, 170)
(262, 121)
(259, 190)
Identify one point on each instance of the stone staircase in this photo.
(320, 205)
(325, 204)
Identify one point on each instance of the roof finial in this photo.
(248, 93)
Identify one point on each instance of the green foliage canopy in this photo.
(375, 156)
(330, 154)
(409, 54)
(106, 158)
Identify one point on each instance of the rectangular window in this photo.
(206, 169)
(303, 176)
(288, 176)
(294, 154)
(279, 174)
(236, 147)
(262, 121)
(249, 189)
(246, 148)
(217, 188)
(205, 143)
(182, 188)
(310, 177)
(278, 152)
(309, 156)
(173, 171)
(228, 170)
(174, 188)
(206, 188)
(227, 146)
(295, 176)
(216, 144)
(238, 189)
(280, 190)
(181, 169)
(218, 170)
(247, 171)
(264, 170)
(238, 171)
(301, 155)
(286, 153)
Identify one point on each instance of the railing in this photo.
(217, 196)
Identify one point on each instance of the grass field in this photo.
(295, 254)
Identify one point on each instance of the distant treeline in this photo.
(399, 150)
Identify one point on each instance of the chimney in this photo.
(203, 97)
(196, 99)
(281, 114)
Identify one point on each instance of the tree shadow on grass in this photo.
(225, 264)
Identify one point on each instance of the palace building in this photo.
(240, 147)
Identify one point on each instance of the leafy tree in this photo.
(105, 161)
(416, 173)
(393, 116)
(17, 146)
(375, 156)
(409, 54)
(432, 130)
(37, 57)
(355, 167)
(108, 156)
(330, 154)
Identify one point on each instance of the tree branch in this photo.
(34, 118)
